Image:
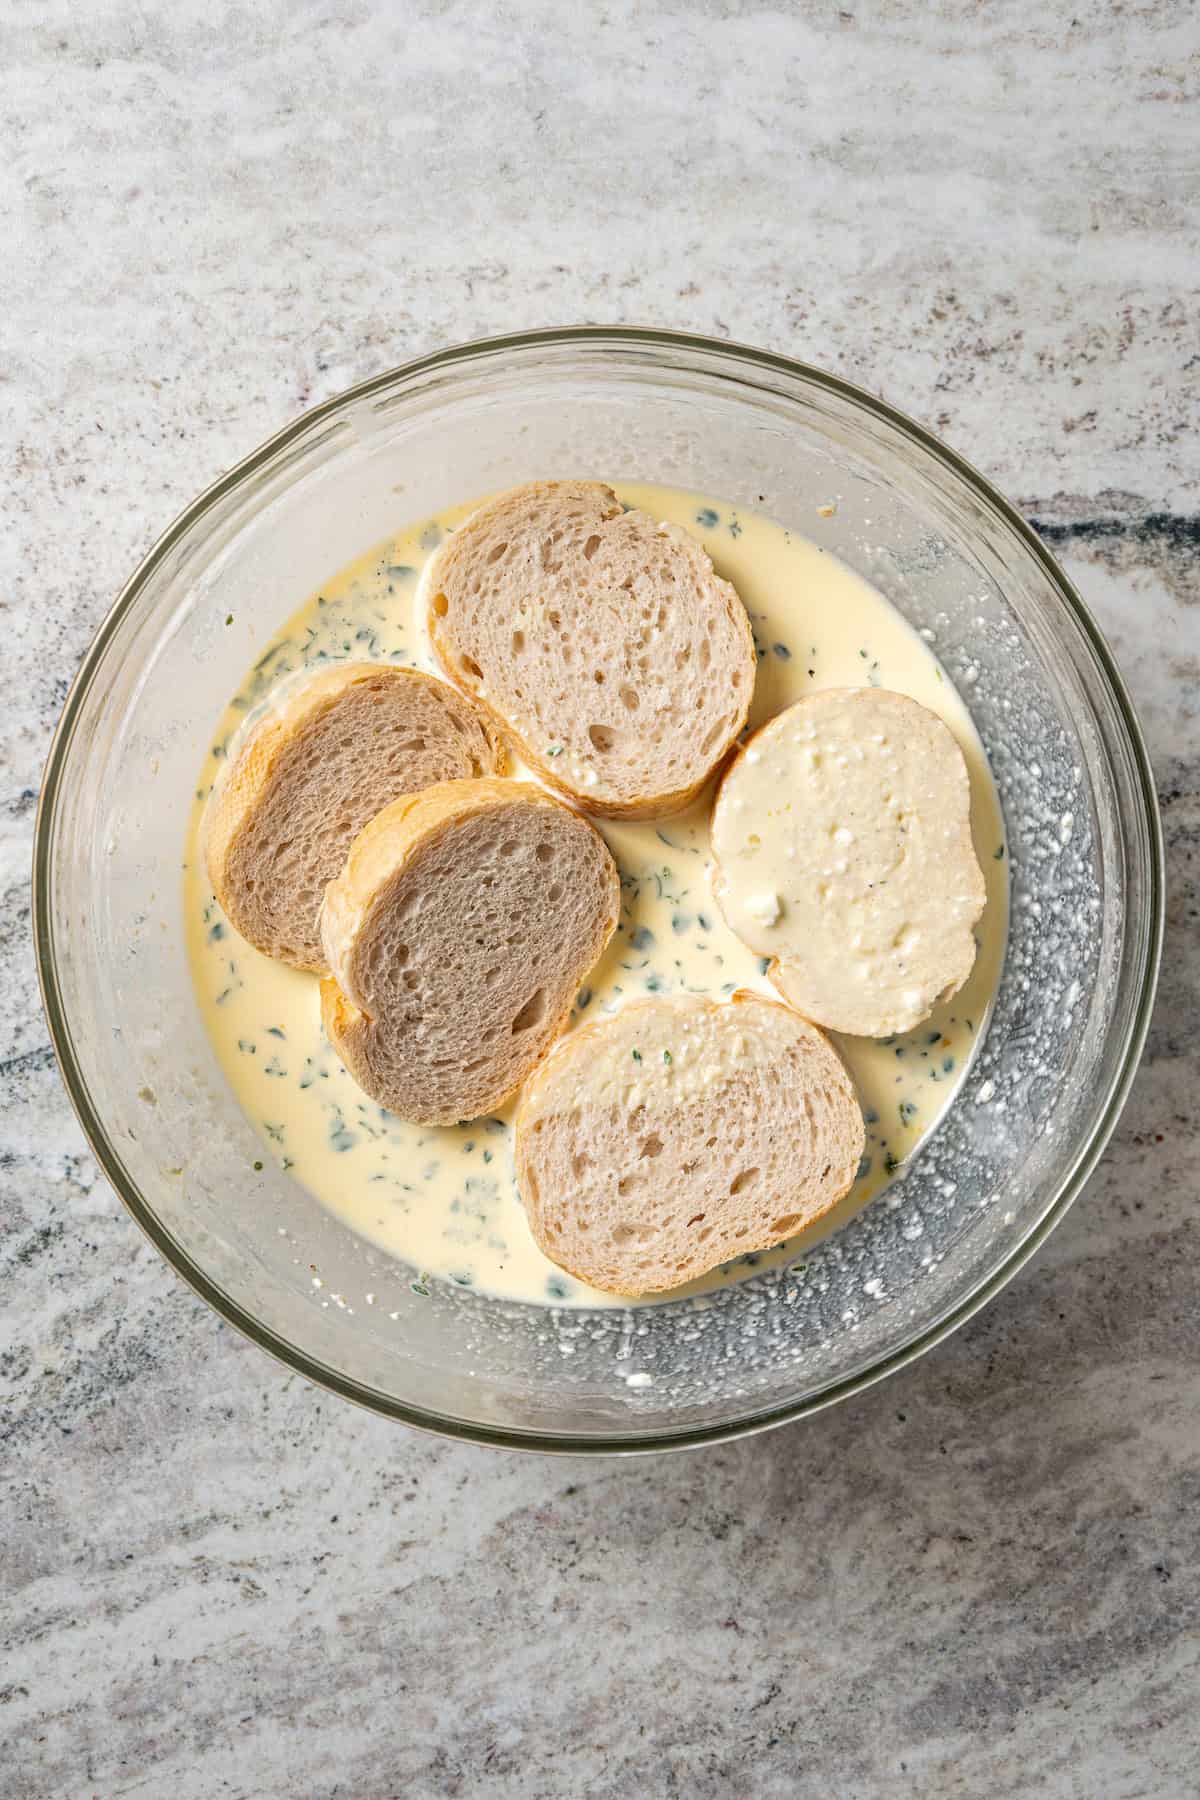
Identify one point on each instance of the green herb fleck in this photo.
(642, 938)
(764, 963)
(216, 933)
(782, 652)
(998, 855)
(708, 517)
(418, 1286)
(268, 655)
(637, 1056)
(276, 1031)
(557, 1290)
(257, 1166)
(555, 750)
(583, 998)
(666, 1056)
(908, 1112)
(229, 618)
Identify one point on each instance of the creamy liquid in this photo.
(444, 1200)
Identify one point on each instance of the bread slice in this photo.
(308, 777)
(842, 834)
(620, 664)
(656, 1144)
(458, 934)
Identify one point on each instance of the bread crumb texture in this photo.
(311, 773)
(659, 1143)
(602, 640)
(458, 933)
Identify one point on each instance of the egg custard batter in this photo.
(443, 1199)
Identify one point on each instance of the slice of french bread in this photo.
(608, 648)
(842, 835)
(652, 1146)
(458, 933)
(330, 755)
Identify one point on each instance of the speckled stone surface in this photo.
(982, 1577)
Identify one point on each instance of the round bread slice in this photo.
(458, 934)
(618, 661)
(652, 1146)
(327, 758)
(842, 835)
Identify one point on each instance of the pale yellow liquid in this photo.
(444, 1200)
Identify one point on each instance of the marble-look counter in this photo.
(979, 1578)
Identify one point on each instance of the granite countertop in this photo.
(983, 1576)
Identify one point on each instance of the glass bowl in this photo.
(909, 515)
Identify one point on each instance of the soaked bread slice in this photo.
(842, 834)
(458, 933)
(652, 1146)
(327, 758)
(618, 661)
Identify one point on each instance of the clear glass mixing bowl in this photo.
(912, 518)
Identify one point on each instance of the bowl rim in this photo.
(1149, 927)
